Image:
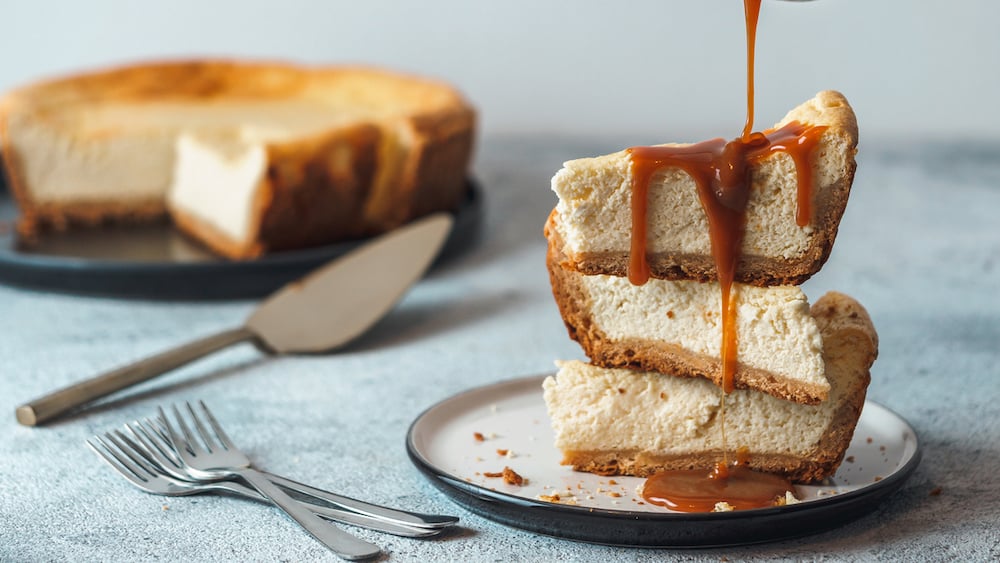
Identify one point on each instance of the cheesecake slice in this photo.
(675, 327)
(595, 219)
(246, 157)
(615, 421)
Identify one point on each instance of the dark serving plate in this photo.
(155, 261)
(511, 415)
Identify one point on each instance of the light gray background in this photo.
(669, 69)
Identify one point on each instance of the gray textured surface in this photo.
(919, 246)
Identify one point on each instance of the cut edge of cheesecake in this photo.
(850, 348)
(608, 344)
(293, 194)
(595, 193)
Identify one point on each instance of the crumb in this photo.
(881, 448)
(878, 478)
(868, 440)
(614, 494)
(479, 458)
(509, 476)
(670, 314)
(612, 482)
(935, 491)
(502, 452)
(850, 459)
(663, 395)
(621, 391)
(550, 498)
(786, 500)
(492, 436)
(723, 507)
(478, 436)
(166, 507)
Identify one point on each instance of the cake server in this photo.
(324, 310)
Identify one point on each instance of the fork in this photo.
(216, 457)
(157, 435)
(139, 466)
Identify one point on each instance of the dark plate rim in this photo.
(472, 496)
(472, 199)
(204, 280)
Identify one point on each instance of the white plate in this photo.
(512, 419)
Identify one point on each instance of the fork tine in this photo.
(192, 444)
(226, 442)
(210, 442)
(153, 444)
(163, 456)
(118, 461)
(133, 451)
(159, 429)
(113, 462)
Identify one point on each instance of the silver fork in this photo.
(216, 457)
(158, 435)
(147, 471)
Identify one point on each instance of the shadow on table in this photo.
(156, 389)
(416, 321)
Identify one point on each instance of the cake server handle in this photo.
(54, 404)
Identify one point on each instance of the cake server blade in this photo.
(320, 312)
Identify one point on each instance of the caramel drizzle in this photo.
(722, 173)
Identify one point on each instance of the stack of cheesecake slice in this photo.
(649, 399)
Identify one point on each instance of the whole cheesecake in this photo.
(245, 157)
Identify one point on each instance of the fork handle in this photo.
(56, 403)
(332, 513)
(430, 521)
(340, 542)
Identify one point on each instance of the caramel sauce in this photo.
(751, 11)
(698, 490)
(721, 172)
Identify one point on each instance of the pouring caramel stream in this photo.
(722, 173)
